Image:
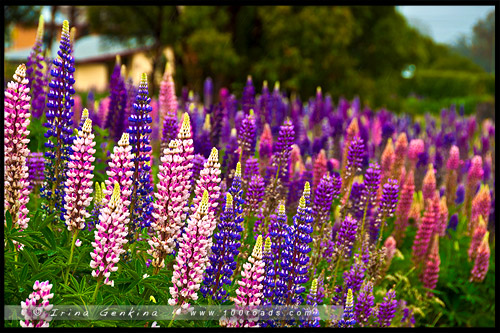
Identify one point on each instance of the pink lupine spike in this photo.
(250, 291)
(443, 217)
(400, 152)
(120, 171)
(167, 99)
(78, 185)
(110, 235)
(474, 176)
(36, 308)
(192, 257)
(481, 205)
(415, 147)
(17, 119)
(482, 262)
(429, 184)
(319, 168)
(430, 275)
(477, 238)
(424, 233)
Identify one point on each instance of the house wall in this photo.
(91, 75)
(23, 37)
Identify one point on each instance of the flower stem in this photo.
(172, 321)
(73, 241)
(96, 289)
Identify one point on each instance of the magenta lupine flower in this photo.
(17, 119)
(474, 176)
(429, 184)
(319, 168)
(210, 180)
(78, 185)
(387, 309)
(404, 206)
(36, 308)
(296, 161)
(390, 250)
(265, 148)
(400, 152)
(120, 171)
(110, 235)
(249, 293)
(192, 257)
(477, 238)
(443, 217)
(167, 97)
(482, 262)
(364, 303)
(430, 275)
(481, 205)
(36, 165)
(452, 165)
(415, 148)
(424, 233)
(170, 208)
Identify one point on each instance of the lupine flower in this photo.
(327, 190)
(167, 97)
(224, 251)
(348, 315)
(17, 119)
(281, 157)
(424, 233)
(265, 147)
(429, 184)
(319, 168)
(451, 176)
(387, 160)
(255, 194)
(312, 300)
(481, 205)
(431, 271)
(351, 132)
(460, 194)
(400, 152)
(251, 169)
(346, 237)
(474, 176)
(443, 217)
(36, 308)
(78, 185)
(59, 121)
(387, 309)
(169, 131)
(231, 156)
(36, 80)
(170, 208)
(191, 259)
(140, 130)
(247, 136)
(415, 148)
(110, 235)
(248, 96)
(353, 278)
(390, 250)
(116, 120)
(278, 230)
(353, 163)
(198, 163)
(482, 262)
(364, 303)
(386, 209)
(36, 165)
(371, 184)
(202, 145)
(249, 293)
(477, 237)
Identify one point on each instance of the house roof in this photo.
(90, 48)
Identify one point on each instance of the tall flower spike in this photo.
(36, 308)
(387, 160)
(192, 257)
(116, 120)
(482, 262)
(59, 124)
(400, 152)
(353, 163)
(415, 148)
(110, 235)
(351, 132)
(387, 309)
(224, 251)
(249, 293)
(319, 168)
(37, 80)
(477, 238)
(346, 237)
(348, 315)
(265, 148)
(94, 216)
(404, 206)
(481, 205)
(431, 270)
(312, 300)
(36, 165)
(424, 233)
(364, 303)
(474, 176)
(372, 184)
(78, 185)
(281, 157)
(247, 136)
(167, 97)
(429, 184)
(255, 194)
(140, 130)
(451, 176)
(17, 119)
(323, 198)
(120, 170)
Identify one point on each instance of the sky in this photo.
(445, 23)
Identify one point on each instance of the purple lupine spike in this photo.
(387, 309)
(278, 230)
(36, 80)
(255, 194)
(265, 104)
(169, 131)
(327, 190)
(216, 118)
(269, 273)
(36, 165)
(251, 169)
(353, 278)
(17, 120)
(281, 157)
(110, 236)
(224, 251)
(364, 304)
(312, 300)
(346, 237)
(372, 183)
(116, 120)
(36, 308)
(247, 136)
(388, 203)
(202, 144)
(265, 148)
(59, 124)
(231, 156)
(78, 185)
(208, 91)
(248, 98)
(348, 315)
(139, 129)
